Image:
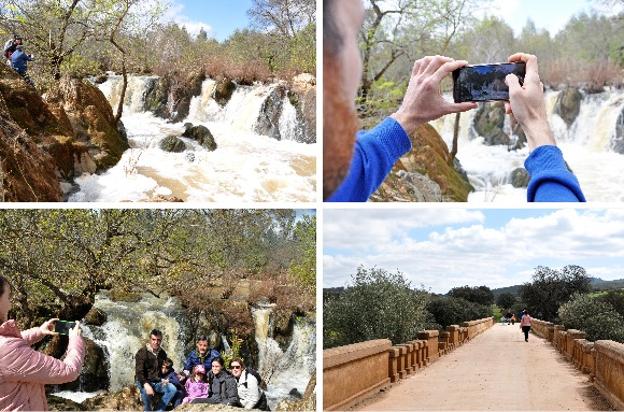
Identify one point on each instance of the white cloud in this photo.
(472, 254)
(176, 14)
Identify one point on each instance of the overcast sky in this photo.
(444, 248)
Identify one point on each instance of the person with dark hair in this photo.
(356, 164)
(223, 387)
(24, 372)
(250, 393)
(525, 324)
(168, 374)
(148, 366)
(202, 355)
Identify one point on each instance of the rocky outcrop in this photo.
(172, 144)
(430, 158)
(520, 177)
(270, 113)
(94, 373)
(180, 95)
(91, 117)
(302, 95)
(95, 317)
(127, 399)
(617, 142)
(156, 97)
(489, 122)
(568, 104)
(201, 135)
(223, 91)
(405, 186)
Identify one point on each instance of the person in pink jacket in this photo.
(23, 370)
(525, 324)
(197, 386)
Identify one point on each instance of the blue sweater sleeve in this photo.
(551, 180)
(375, 152)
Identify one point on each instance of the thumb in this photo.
(513, 83)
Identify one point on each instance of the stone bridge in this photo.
(478, 365)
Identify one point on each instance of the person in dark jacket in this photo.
(223, 386)
(168, 374)
(19, 60)
(149, 360)
(201, 356)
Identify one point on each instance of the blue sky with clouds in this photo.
(444, 248)
(220, 18)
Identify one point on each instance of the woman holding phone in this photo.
(24, 372)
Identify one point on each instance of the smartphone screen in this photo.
(484, 82)
(63, 327)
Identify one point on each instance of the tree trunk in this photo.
(455, 137)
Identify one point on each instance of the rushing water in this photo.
(245, 167)
(586, 147)
(129, 323)
(284, 370)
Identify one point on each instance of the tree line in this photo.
(57, 260)
(380, 304)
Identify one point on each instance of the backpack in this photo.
(261, 383)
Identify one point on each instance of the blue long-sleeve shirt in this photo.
(19, 61)
(377, 150)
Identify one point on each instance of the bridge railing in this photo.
(353, 372)
(603, 360)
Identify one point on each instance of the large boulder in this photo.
(303, 96)
(126, 399)
(201, 135)
(270, 113)
(489, 122)
(172, 144)
(156, 97)
(92, 118)
(223, 91)
(180, 95)
(405, 186)
(568, 104)
(27, 172)
(430, 157)
(617, 142)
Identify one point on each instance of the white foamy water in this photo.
(245, 167)
(78, 397)
(586, 146)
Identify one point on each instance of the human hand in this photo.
(148, 389)
(76, 331)
(423, 101)
(47, 328)
(526, 103)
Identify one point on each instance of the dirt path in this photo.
(496, 371)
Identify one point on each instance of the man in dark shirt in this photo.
(149, 360)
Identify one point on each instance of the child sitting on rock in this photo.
(167, 373)
(197, 385)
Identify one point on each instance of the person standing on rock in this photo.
(356, 164)
(148, 361)
(201, 356)
(525, 324)
(223, 387)
(24, 372)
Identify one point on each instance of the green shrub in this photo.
(593, 316)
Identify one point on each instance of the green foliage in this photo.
(594, 316)
(450, 310)
(506, 300)
(551, 288)
(497, 313)
(477, 294)
(378, 304)
(304, 268)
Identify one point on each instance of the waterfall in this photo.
(134, 100)
(127, 330)
(586, 143)
(284, 371)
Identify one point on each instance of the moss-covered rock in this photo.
(430, 157)
(568, 104)
(201, 134)
(223, 91)
(520, 177)
(172, 144)
(92, 118)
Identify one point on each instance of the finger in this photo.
(416, 67)
(424, 62)
(513, 83)
(461, 107)
(507, 108)
(54, 320)
(532, 67)
(435, 63)
(448, 68)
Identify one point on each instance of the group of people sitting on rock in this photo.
(17, 58)
(204, 378)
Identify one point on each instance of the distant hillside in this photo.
(596, 283)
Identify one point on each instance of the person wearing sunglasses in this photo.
(249, 384)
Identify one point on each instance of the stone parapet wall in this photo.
(351, 373)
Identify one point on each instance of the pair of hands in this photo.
(47, 328)
(423, 101)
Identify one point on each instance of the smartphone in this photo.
(485, 82)
(62, 327)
